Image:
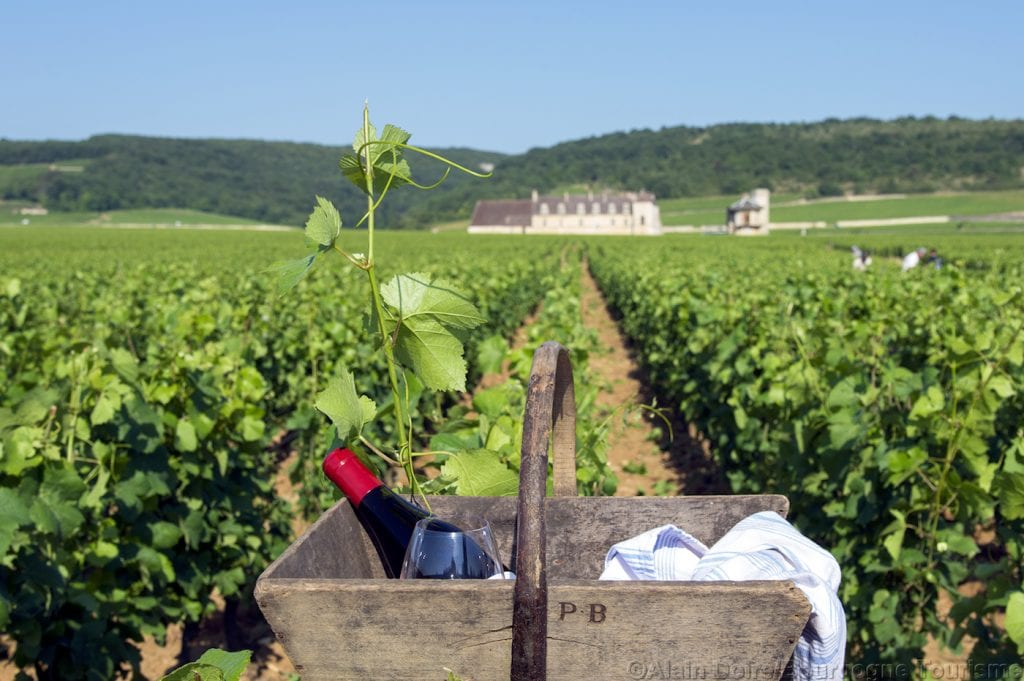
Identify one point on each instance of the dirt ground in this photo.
(633, 442)
(677, 456)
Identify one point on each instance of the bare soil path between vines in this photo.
(680, 464)
(633, 440)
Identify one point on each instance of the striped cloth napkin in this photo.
(761, 546)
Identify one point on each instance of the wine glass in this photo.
(440, 550)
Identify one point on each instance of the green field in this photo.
(973, 203)
(140, 216)
(703, 210)
(13, 174)
(711, 210)
(965, 227)
(169, 216)
(18, 174)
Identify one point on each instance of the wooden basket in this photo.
(339, 618)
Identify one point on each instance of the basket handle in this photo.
(550, 414)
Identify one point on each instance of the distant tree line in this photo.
(269, 181)
(276, 181)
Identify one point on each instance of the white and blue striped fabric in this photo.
(761, 546)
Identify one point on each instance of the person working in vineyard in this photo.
(861, 259)
(912, 259)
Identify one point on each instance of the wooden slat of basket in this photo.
(550, 409)
(413, 629)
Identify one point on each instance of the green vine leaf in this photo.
(214, 665)
(433, 353)
(291, 272)
(1010, 487)
(420, 295)
(931, 402)
(323, 227)
(385, 157)
(1015, 619)
(195, 671)
(185, 436)
(893, 542)
(324, 224)
(13, 514)
(232, 664)
(18, 451)
(348, 410)
(425, 316)
(491, 353)
(480, 473)
(352, 169)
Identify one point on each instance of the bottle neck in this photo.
(346, 471)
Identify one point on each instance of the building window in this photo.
(611, 208)
(580, 208)
(625, 208)
(561, 208)
(595, 208)
(543, 209)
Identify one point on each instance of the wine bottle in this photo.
(387, 517)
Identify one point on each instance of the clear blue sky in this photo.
(504, 76)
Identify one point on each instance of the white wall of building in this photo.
(627, 214)
(763, 198)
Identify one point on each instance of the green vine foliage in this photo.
(887, 406)
(419, 321)
(422, 324)
(506, 285)
(213, 665)
(493, 423)
(152, 384)
(133, 484)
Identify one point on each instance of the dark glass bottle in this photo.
(387, 517)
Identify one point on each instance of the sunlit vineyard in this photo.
(146, 376)
(887, 405)
(152, 381)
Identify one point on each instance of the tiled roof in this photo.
(511, 213)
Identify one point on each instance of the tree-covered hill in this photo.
(267, 181)
(276, 181)
(817, 159)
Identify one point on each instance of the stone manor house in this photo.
(628, 213)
